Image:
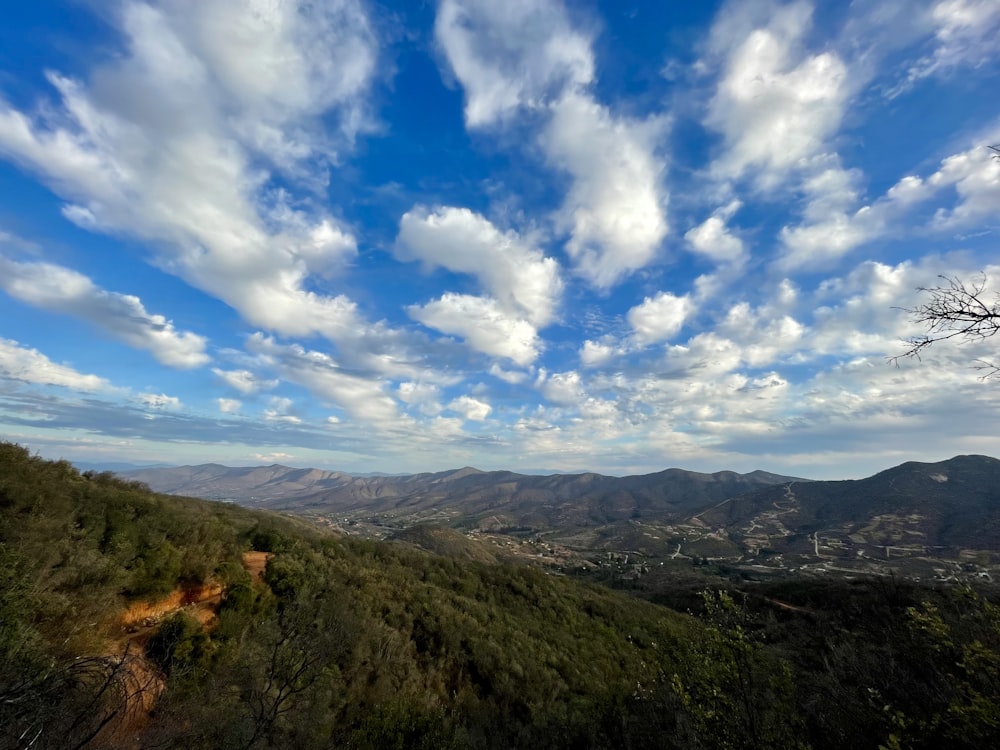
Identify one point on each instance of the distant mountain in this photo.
(118, 467)
(923, 519)
(245, 484)
(919, 511)
(945, 507)
(465, 497)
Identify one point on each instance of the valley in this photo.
(935, 522)
(676, 610)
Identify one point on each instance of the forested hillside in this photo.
(130, 619)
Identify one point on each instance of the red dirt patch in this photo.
(255, 562)
(140, 680)
(146, 614)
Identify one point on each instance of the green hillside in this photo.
(135, 620)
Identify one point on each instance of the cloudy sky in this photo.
(616, 236)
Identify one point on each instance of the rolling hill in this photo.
(465, 497)
(921, 511)
(949, 509)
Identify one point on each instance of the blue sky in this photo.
(611, 236)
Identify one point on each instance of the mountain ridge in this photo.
(922, 510)
(916, 507)
(577, 499)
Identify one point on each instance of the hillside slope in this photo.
(944, 507)
(340, 642)
(467, 496)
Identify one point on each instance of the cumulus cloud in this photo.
(513, 377)
(863, 312)
(615, 210)
(565, 388)
(425, 396)
(974, 175)
(746, 337)
(280, 411)
(163, 143)
(244, 381)
(364, 398)
(775, 104)
(526, 57)
(279, 62)
(471, 408)
(511, 55)
(123, 316)
(518, 276)
(31, 366)
(484, 325)
(594, 353)
(713, 239)
(658, 318)
(834, 225)
(229, 405)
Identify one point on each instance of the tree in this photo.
(956, 310)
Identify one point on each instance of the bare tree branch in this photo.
(955, 310)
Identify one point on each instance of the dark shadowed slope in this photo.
(951, 504)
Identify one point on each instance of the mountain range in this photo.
(468, 497)
(948, 510)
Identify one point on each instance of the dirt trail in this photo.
(201, 602)
(140, 680)
(255, 562)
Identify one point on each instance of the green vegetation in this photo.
(351, 643)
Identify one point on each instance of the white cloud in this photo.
(244, 381)
(834, 226)
(424, 396)
(746, 337)
(512, 377)
(273, 457)
(707, 353)
(280, 411)
(595, 353)
(471, 408)
(564, 388)
(713, 239)
(863, 312)
(484, 325)
(831, 227)
(975, 176)
(444, 428)
(280, 61)
(965, 33)
(31, 366)
(525, 56)
(229, 405)
(364, 398)
(517, 275)
(159, 401)
(658, 318)
(153, 146)
(615, 210)
(763, 337)
(511, 55)
(775, 105)
(60, 289)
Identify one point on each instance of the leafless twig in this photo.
(955, 310)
